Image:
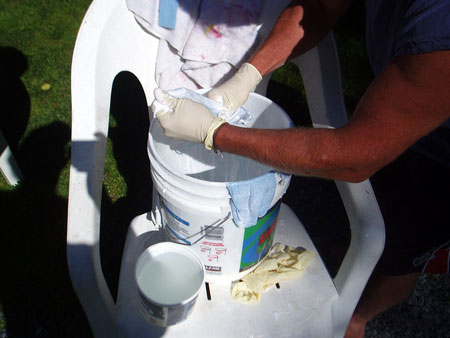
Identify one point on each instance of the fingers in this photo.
(164, 103)
(216, 95)
(182, 118)
(234, 92)
(165, 98)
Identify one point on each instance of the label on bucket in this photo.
(258, 239)
(175, 225)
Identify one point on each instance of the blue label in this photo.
(173, 215)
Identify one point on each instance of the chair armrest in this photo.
(109, 42)
(366, 247)
(90, 114)
(321, 75)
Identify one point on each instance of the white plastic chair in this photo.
(110, 41)
(8, 165)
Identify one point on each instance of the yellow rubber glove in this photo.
(283, 262)
(234, 92)
(185, 119)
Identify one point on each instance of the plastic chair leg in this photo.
(8, 165)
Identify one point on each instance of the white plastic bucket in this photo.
(169, 278)
(194, 203)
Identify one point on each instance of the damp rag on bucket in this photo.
(283, 262)
(252, 198)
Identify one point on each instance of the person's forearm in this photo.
(405, 102)
(299, 151)
(302, 25)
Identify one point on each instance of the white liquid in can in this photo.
(170, 278)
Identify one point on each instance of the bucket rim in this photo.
(159, 160)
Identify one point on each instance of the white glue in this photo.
(169, 278)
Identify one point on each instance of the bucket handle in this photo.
(211, 228)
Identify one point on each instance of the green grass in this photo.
(35, 290)
(45, 32)
(36, 45)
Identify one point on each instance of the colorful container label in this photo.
(258, 239)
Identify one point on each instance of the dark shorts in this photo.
(414, 197)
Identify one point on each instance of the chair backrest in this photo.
(111, 41)
(321, 76)
(320, 70)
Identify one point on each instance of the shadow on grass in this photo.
(14, 98)
(35, 288)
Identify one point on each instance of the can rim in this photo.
(178, 248)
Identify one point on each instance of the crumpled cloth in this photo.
(251, 199)
(210, 41)
(238, 117)
(283, 262)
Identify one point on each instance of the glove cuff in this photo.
(209, 140)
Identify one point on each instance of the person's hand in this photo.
(234, 92)
(185, 119)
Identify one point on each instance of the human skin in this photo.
(406, 101)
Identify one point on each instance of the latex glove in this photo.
(234, 92)
(185, 119)
(283, 262)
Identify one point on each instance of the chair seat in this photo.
(281, 312)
